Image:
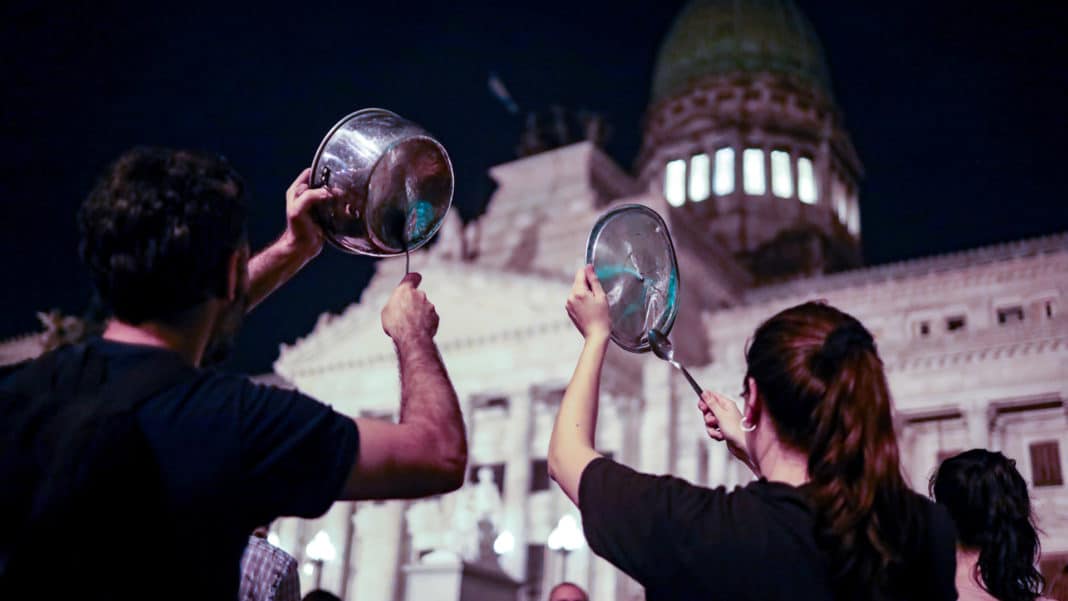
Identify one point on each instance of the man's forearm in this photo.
(429, 399)
(274, 266)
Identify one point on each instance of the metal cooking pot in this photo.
(393, 180)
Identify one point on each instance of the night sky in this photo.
(957, 110)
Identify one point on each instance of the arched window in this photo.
(724, 174)
(700, 178)
(753, 171)
(853, 223)
(782, 184)
(675, 182)
(841, 204)
(806, 181)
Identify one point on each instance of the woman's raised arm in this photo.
(571, 446)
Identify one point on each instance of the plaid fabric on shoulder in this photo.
(268, 573)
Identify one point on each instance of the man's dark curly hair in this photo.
(158, 229)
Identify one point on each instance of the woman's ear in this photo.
(753, 404)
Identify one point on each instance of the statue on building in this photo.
(532, 140)
(594, 128)
(560, 126)
(561, 129)
(427, 523)
(468, 508)
(487, 498)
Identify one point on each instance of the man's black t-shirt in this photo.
(684, 542)
(232, 455)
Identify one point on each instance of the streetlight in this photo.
(320, 550)
(504, 543)
(565, 538)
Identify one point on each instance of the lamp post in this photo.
(565, 538)
(504, 543)
(320, 550)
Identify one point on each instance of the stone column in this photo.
(717, 465)
(347, 550)
(795, 195)
(631, 413)
(766, 148)
(602, 580)
(379, 528)
(740, 206)
(517, 478)
(977, 420)
(703, 453)
(906, 444)
(822, 165)
(657, 429)
(335, 524)
(686, 464)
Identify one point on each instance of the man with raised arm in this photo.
(130, 469)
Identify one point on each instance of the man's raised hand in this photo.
(302, 233)
(408, 316)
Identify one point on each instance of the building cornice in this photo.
(967, 263)
(929, 361)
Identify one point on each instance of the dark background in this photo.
(957, 110)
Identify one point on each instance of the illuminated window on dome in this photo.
(841, 208)
(699, 177)
(724, 175)
(853, 224)
(753, 171)
(806, 181)
(782, 184)
(675, 182)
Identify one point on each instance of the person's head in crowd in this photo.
(568, 591)
(988, 500)
(163, 234)
(320, 595)
(815, 391)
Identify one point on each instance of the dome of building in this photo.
(714, 37)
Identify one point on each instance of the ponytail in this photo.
(822, 381)
(853, 462)
(990, 505)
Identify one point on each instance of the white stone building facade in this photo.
(746, 155)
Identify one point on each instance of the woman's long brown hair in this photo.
(821, 379)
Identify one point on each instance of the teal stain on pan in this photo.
(420, 219)
(673, 289)
(607, 272)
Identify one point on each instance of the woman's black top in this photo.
(757, 542)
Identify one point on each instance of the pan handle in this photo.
(324, 177)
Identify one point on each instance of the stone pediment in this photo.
(539, 217)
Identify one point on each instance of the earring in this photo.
(746, 427)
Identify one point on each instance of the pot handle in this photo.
(324, 177)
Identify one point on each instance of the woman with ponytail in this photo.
(830, 517)
(998, 542)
